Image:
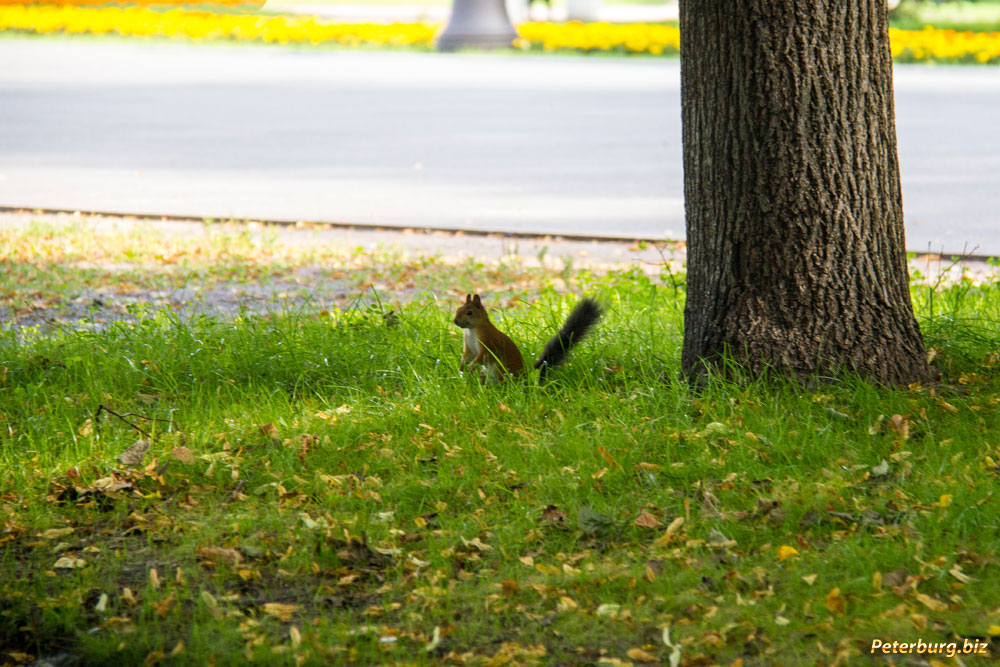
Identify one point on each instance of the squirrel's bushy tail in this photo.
(583, 318)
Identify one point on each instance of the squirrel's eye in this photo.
(468, 312)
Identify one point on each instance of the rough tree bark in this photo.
(796, 259)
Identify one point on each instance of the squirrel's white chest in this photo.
(471, 342)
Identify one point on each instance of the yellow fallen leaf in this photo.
(639, 655)
(835, 603)
(53, 533)
(280, 610)
(944, 500)
(69, 563)
(930, 602)
(785, 552)
(566, 604)
(810, 579)
(993, 630)
(295, 635)
(668, 535)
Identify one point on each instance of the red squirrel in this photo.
(487, 346)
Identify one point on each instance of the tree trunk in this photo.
(796, 258)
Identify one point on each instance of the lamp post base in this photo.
(477, 23)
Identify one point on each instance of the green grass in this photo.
(983, 16)
(337, 463)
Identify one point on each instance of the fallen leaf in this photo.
(69, 563)
(268, 430)
(153, 657)
(944, 500)
(717, 539)
(102, 603)
(221, 555)
(664, 539)
(835, 602)
(810, 579)
(901, 425)
(785, 552)
(280, 610)
(608, 609)
(183, 454)
(931, 603)
(133, 455)
(163, 607)
(53, 533)
(566, 604)
(129, 596)
(647, 520)
(606, 455)
(295, 635)
(639, 655)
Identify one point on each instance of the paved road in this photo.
(517, 143)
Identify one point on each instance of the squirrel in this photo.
(499, 356)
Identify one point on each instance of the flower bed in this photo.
(927, 45)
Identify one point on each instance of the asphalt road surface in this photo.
(562, 145)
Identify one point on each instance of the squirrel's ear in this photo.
(476, 301)
(468, 298)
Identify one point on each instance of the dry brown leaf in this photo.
(280, 610)
(183, 454)
(268, 430)
(647, 520)
(606, 455)
(221, 555)
(835, 602)
(133, 455)
(161, 608)
(900, 425)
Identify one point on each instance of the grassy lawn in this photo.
(323, 486)
(983, 16)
